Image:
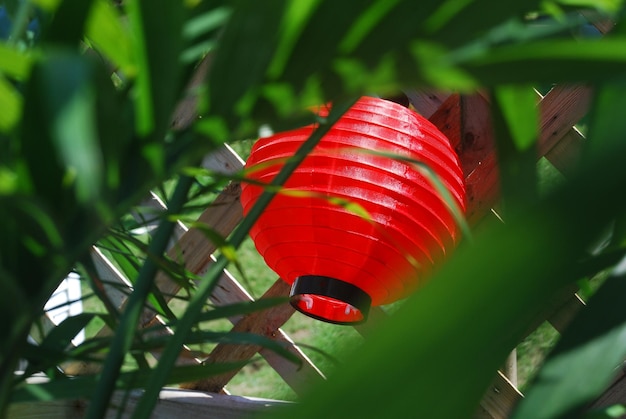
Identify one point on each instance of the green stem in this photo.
(205, 287)
(127, 327)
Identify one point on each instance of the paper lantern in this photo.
(352, 228)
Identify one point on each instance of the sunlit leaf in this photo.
(438, 70)
(206, 22)
(11, 105)
(14, 63)
(106, 31)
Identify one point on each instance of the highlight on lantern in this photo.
(354, 227)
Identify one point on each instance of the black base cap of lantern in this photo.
(330, 300)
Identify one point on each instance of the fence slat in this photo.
(172, 403)
(499, 399)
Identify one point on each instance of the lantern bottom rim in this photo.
(330, 299)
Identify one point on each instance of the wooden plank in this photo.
(172, 403)
(560, 109)
(466, 121)
(426, 102)
(111, 279)
(565, 154)
(499, 399)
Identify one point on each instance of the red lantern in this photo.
(352, 228)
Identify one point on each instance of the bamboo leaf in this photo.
(106, 31)
(11, 103)
(518, 107)
(235, 77)
(61, 336)
(549, 60)
(516, 126)
(68, 24)
(158, 46)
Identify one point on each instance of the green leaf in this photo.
(606, 121)
(10, 103)
(437, 69)
(234, 77)
(68, 24)
(157, 47)
(516, 125)
(107, 33)
(518, 107)
(206, 22)
(61, 336)
(61, 139)
(14, 63)
(546, 61)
